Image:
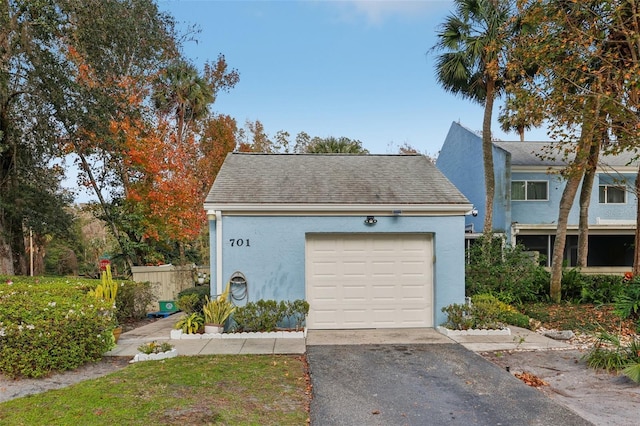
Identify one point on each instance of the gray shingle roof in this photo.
(525, 154)
(331, 179)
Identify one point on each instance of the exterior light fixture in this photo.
(396, 212)
(370, 220)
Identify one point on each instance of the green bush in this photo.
(459, 317)
(191, 324)
(132, 300)
(189, 303)
(627, 304)
(599, 289)
(52, 325)
(201, 291)
(267, 315)
(485, 312)
(610, 354)
(509, 273)
(296, 313)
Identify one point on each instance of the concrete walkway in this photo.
(160, 331)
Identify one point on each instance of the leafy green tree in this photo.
(586, 59)
(334, 145)
(30, 192)
(475, 41)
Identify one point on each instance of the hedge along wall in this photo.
(50, 326)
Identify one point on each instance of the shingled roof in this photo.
(336, 179)
(528, 154)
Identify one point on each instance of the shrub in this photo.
(189, 303)
(51, 326)
(296, 312)
(132, 300)
(458, 317)
(202, 291)
(508, 273)
(216, 311)
(267, 315)
(154, 347)
(627, 304)
(485, 311)
(486, 305)
(610, 354)
(599, 289)
(190, 324)
(263, 315)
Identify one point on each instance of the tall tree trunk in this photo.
(585, 199)
(574, 172)
(114, 229)
(487, 157)
(636, 248)
(6, 255)
(18, 249)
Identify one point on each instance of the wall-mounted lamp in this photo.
(370, 220)
(396, 212)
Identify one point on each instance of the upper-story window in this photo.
(530, 190)
(612, 194)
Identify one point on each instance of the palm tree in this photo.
(181, 91)
(475, 40)
(336, 145)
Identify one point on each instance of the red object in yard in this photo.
(104, 263)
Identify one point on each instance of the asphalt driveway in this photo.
(422, 384)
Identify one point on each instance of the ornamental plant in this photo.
(218, 310)
(155, 347)
(190, 324)
(107, 290)
(267, 315)
(48, 326)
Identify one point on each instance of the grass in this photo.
(200, 390)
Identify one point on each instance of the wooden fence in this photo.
(167, 280)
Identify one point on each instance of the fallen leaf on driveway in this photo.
(531, 379)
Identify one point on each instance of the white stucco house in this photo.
(370, 241)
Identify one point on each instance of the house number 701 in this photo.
(239, 242)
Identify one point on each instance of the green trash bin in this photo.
(167, 306)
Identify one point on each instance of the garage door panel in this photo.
(383, 293)
(414, 293)
(377, 280)
(353, 269)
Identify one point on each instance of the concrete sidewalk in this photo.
(160, 331)
(520, 338)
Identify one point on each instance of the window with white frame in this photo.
(529, 190)
(611, 191)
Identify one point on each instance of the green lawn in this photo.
(202, 390)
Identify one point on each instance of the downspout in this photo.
(218, 252)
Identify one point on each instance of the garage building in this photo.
(370, 241)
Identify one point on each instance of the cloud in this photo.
(377, 11)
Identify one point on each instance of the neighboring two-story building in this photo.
(528, 188)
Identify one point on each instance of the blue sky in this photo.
(360, 69)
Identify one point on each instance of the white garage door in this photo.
(369, 280)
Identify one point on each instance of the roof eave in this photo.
(341, 209)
